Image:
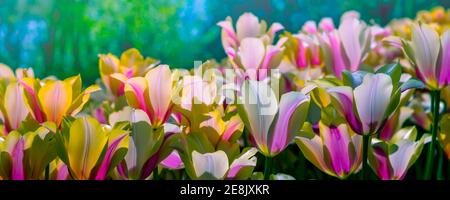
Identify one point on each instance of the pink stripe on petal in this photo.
(444, 76)
(37, 111)
(103, 170)
(338, 62)
(383, 164)
(288, 104)
(173, 161)
(17, 156)
(301, 55)
(63, 172)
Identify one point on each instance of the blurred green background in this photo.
(64, 37)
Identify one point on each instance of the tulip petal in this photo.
(349, 31)
(292, 113)
(247, 159)
(372, 98)
(343, 102)
(134, 93)
(247, 26)
(17, 155)
(85, 145)
(173, 161)
(425, 44)
(105, 165)
(159, 82)
(259, 106)
(55, 98)
(444, 77)
(16, 110)
(251, 53)
(215, 164)
(336, 140)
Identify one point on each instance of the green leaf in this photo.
(353, 79)
(412, 83)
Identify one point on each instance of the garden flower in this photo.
(335, 149)
(391, 159)
(216, 165)
(152, 94)
(272, 124)
(51, 100)
(347, 47)
(131, 64)
(25, 156)
(365, 106)
(83, 143)
(302, 55)
(144, 144)
(247, 26)
(256, 58)
(429, 52)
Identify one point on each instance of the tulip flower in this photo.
(371, 101)
(272, 124)
(391, 159)
(248, 25)
(430, 54)
(255, 57)
(25, 156)
(51, 100)
(365, 106)
(131, 64)
(303, 54)
(83, 143)
(216, 166)
(335, 149)
(347, 47)
(152, 94)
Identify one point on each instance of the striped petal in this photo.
(159, 82)
(105, 165)
(291, 115)
(259, 106)
(85, 145)
(337, 140)
(134, 93)
(444, 75)
(343, 102)
(425, 45)
(246, 160)
(55, 98)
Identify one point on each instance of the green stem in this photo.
(440, 175)
(435, 97)
(267, 167)
(302, 166)
(47, 172)
(365, 169)
(155, 174)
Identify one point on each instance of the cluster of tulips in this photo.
(355, 98)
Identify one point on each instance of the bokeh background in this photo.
(64, 37)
